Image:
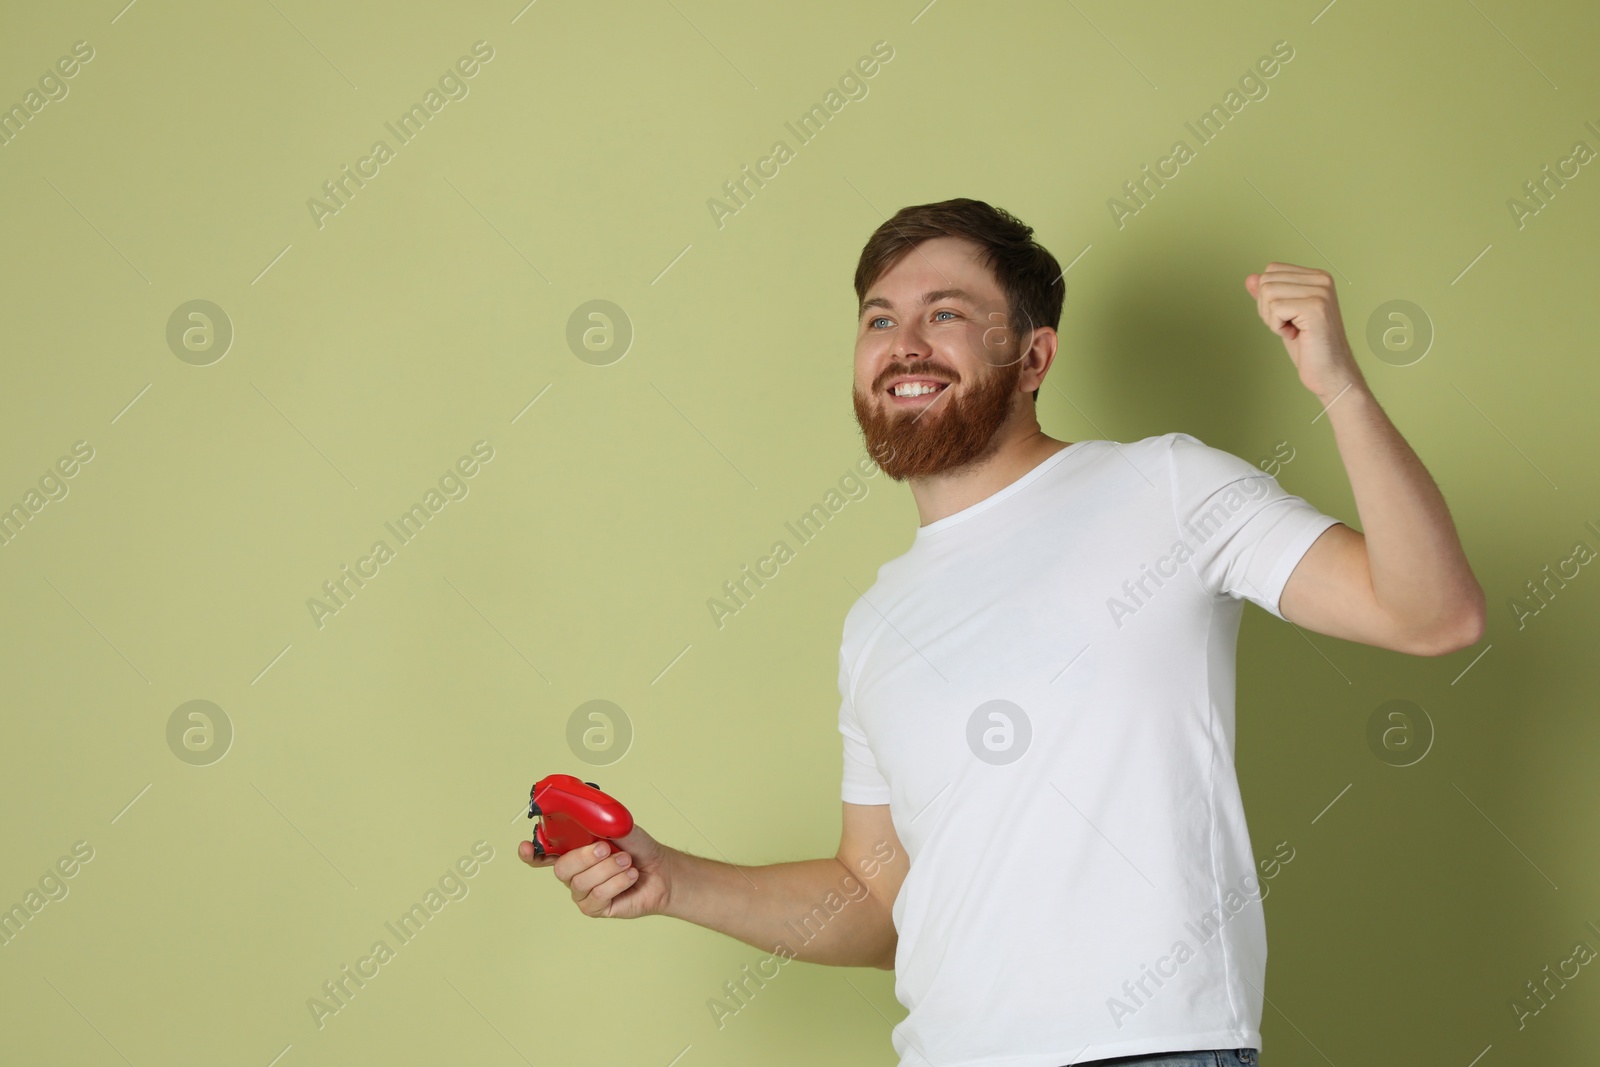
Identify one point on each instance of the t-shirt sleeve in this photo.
(862, 783)
(1244, 531)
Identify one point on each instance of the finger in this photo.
(571, 864)
(1287, 270)
(613, 887)
(589, 866)
(1275, 286)
(630, 840)
(585, 882)
(1282, 301)
(1292, 287)
(1308, 310)
(526, 855)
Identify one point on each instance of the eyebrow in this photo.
(927, 298)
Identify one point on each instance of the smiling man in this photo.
(1039, 791)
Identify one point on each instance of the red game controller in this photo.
(572, 814)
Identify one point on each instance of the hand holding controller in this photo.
(614, 879)
(572, 814)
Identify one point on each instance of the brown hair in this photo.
(1027, 273)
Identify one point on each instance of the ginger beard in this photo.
(961, 425)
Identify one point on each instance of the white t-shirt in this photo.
(1065, 841)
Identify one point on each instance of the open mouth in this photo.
(921, 392)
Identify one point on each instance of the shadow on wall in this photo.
(1456, 858)
(1176, 344)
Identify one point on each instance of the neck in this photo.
(945, 493)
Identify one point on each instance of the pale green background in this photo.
(424, 317)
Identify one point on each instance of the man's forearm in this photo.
(1419, 572)
(812, 910)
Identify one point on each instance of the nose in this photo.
(909, 353)
(908, 342)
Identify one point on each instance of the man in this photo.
(1037, 698)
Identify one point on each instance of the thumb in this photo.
(638, 843)
(1251, 281)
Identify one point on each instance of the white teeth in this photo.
(914, 389)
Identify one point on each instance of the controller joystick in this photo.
(572, 814)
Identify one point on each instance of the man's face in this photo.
(959, 342)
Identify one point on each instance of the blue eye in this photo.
(873, 323)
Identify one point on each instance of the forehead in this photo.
(937, 263)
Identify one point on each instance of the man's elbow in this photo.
(1464, 630)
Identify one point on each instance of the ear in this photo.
(1039, 358)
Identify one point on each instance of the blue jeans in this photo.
(1222, 1057)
